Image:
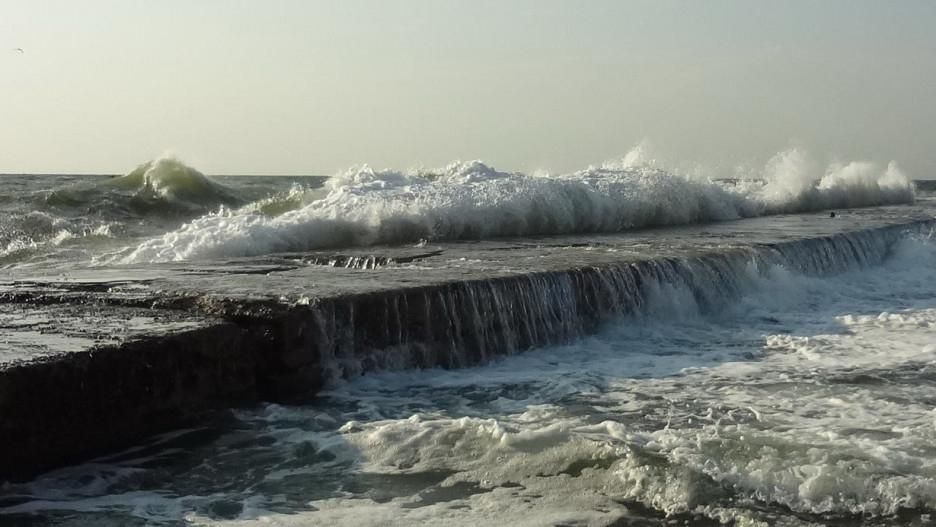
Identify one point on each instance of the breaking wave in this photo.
(170, 181)
(86, 214)
(363, 206)
(162, 187)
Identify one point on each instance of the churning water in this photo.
(799, 400)
(166, 211)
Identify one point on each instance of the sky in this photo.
(314, 87)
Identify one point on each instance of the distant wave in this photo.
(164, 186)
(363, 206)
(86, 213)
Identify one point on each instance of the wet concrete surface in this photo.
(32, 332)
(96, 359)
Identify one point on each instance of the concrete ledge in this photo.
(93, 363)
(63, 409)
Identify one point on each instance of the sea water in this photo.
(167, 211)
(806, 401)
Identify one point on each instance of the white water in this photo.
(808, 399)
(471, 200)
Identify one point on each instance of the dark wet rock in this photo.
(84, 388)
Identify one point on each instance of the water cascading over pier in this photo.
(461, 323)
(92, 365)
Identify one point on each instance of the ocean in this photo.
(796, 400)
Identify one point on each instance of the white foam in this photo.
(774, 429)
(363, 206)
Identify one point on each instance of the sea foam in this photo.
(471, 200)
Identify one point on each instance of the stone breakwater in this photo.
(96, 360)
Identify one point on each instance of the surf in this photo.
(471, 201)
(81, 216)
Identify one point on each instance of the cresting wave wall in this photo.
(80, 404)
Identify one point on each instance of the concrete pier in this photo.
(96, 360)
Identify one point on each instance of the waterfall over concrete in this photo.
(460, 323)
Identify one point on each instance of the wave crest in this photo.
(793, 184)
(169, 182)
(363, 206)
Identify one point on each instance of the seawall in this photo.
(96, 361)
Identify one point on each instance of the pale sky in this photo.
(308, 86)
